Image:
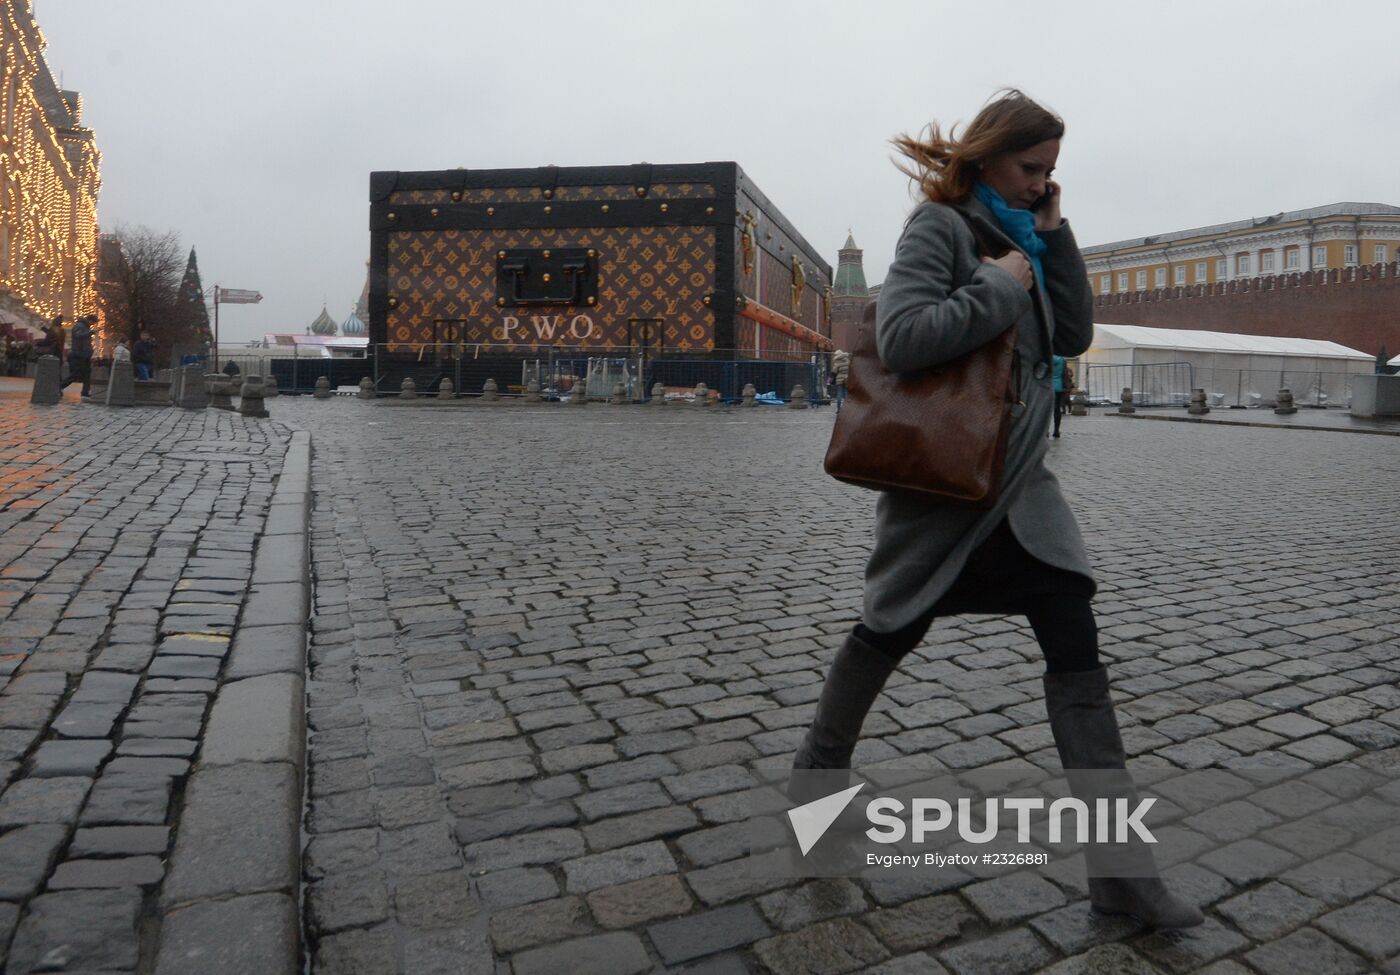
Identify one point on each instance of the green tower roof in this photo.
(850, 271)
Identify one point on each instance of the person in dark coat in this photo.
(1025, 556)
(80, 354)
(143, 356)
(52, 342)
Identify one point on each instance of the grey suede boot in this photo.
(1087, 738)
(854, 681)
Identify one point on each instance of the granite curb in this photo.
(232, 890)
(1264, 425)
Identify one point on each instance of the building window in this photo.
(1266, 262)
(1222, 269)
(1380, 254)
(1241, 264)
(1291, 257)
(1180, 275)
(1104, 283)
(1319, 257)
(1349, 255)
(1142, 280)
(1123, 281)
(1200, 272)
(1159, 279)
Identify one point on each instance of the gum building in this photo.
(48, 185)
(1327, 272)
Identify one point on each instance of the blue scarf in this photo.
(1019, 225)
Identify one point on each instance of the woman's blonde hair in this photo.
(946, 167)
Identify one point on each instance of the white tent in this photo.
(1163, 365)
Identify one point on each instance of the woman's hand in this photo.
(1015, 263)
(1048, 216)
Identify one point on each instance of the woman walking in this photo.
(1025, 556)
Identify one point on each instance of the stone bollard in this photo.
(408, 389)
(658, 394)
(619, 395)
(177, 383)
(1198, 405)
(121, 386)
(532, 392)
(1127, 402)
(323, 388)
(270, 390)
(798, 400)
(220, 389)
(702, 394)
(193, 395)
(367, 390)
(48, 382)
(749, 395)
(1284, 405)
(1078, 403)
(250, 397)
(445, 390)
(578, 396)
(490, 392)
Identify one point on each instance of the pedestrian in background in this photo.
(1024, 556)
(143, 356)
(1061, 383)
(841, 371)
(52, 342)
(80, 354)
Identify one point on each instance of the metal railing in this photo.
(558, 369)
(1163, 384)
(1170, 384)
(298, 373)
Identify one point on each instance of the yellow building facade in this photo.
(1335, 236)
(49, 180)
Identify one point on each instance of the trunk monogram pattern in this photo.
(444, 283)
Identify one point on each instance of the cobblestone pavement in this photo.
(126, 547)
(551, 645)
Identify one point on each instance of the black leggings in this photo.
(1063, 624)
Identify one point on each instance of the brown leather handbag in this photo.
(939, 432)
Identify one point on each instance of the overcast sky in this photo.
(251, 127)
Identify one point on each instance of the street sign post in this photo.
(230, 296)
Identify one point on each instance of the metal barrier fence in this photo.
(298, 373)
(1162, 384)
(1170, 384)
(558, 368)
(1259, 387)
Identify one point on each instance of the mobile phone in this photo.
(1042, 200)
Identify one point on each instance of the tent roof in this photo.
(1108, 336)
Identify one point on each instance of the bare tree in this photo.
(147, 289)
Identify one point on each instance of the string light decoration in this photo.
(49, 180)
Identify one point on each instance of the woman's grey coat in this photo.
(938, 302)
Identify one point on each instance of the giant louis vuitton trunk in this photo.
(491, 267)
